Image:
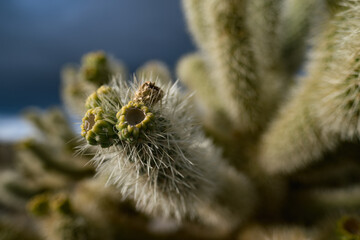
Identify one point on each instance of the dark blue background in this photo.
(37, 37)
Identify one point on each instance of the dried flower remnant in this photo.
(148, 93)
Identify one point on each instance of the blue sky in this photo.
(38, 37)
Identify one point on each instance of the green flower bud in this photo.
(133, 120)
(96, 129)
(348, 228)
(39, 205)
(92, 101)
(101, 95)
(95, 68)
(61, 204)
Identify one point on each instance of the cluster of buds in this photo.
(159, 156)
(96, 129)
(348, 228)
(133, 119)
(107, 122)
(95, 68)
(101, 95)
(44, 204)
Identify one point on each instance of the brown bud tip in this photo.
(148, 93)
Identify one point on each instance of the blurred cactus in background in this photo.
(257, 139)
(78, 82)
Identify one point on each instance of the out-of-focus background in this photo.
(38, 37)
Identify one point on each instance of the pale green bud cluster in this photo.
(133, 120)
(78, 82)
(96, 129)
(103, 93)
(296, 141)
(61, 204)
(39, 205)
(95, 68)
(106, 121)
(43, 204)
(348, 228)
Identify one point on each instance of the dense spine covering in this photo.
(232, 62)
(149, 147)
(264, 24)
(163, 161)
(294, 139)
(197, 20)
(300, 20)
(338, 103)
(324, 109)
(193, 72)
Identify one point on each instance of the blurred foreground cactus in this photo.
(261, 142)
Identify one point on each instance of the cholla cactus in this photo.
(324, 109)
(155, 69)
(133, 120)
(243, 72)
(300, 20)
(96, 129)
(104, 93)
(249, 145)
(348, 228)
(16, 227)
(96, 69)
(59, 221)
(163, 161)
(193, 72)
(52, 182)
(344, 226)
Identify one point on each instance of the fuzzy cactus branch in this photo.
(232, 62)
(299, 21)
(161, 163)
(324, 110)
(155, 70)
(197, 20)
(265, 29)
(242, 150)
(194, 73)
(78, 83)
(52, 162)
